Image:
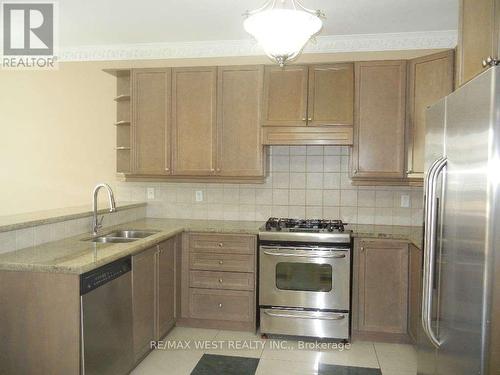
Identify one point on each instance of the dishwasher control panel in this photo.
(102, 275)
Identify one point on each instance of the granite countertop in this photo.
(413, 234)
(32, 219)
(72, 255)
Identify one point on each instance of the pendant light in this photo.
(283, 28)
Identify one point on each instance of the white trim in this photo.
(222, 48)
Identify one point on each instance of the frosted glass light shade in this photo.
(282, 33)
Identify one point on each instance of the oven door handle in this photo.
(304, 254)
(304, 315)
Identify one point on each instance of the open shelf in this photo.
(123, 122)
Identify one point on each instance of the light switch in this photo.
(150, 193)
(199, 196)
(405, 201)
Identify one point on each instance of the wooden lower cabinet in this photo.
(415, 292)
(380, 295)
(219, 281)
(153, 294)
(227, 305)
(166, 287)
(144, 300)
(40, 323)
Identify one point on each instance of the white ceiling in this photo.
(113, 22)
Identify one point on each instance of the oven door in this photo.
(310, 278)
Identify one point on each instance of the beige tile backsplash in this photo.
(311, 182)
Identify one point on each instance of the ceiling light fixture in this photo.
(283, 28)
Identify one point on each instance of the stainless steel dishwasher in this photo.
(106, 319)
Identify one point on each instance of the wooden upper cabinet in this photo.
(194, 121)
(239, 98)
(151, 121)
(379, 126)
(430, 79)
(285, 96)
(331, 95)
(478, 37)
(382, 288)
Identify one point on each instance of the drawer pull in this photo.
(220, 244)
(221, 262)
(220, 281)
(305, 315)
(220, 305)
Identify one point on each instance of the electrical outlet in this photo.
(199, 196)
(405, 201)
(150, 193)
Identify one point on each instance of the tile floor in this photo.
(272, 356)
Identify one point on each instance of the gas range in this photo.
(305, 274)
(307, 231)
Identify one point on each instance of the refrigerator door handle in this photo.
(429, 246)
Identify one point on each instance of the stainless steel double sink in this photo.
(122, 236)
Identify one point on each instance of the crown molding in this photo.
(227, 48)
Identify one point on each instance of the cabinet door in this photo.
(194, 120)
(383, 286)
(285, 96)
(239, 96)
(151, 121)
(166, 287)
(415, 290)
(478, 37)
(430, 79)
(331, 95)
(379, 129)
(143, 300)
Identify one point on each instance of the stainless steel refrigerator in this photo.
(461, 289)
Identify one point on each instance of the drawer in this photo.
(228, 305)
(221, 280)
(301, 323)
(222, 243)
(221, 262)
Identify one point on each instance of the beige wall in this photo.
(57, 138)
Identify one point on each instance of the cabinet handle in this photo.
(409, 171)
(167, 169)
(220, 305)
(304, 119)
(221, 262)
(490, 61)
(220, 281)
(309, 119)
(355, 171)
(220, 244)
(218, 169)
(362, 248)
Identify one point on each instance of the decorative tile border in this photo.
(247, 47)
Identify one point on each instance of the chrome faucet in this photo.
(96, 223)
